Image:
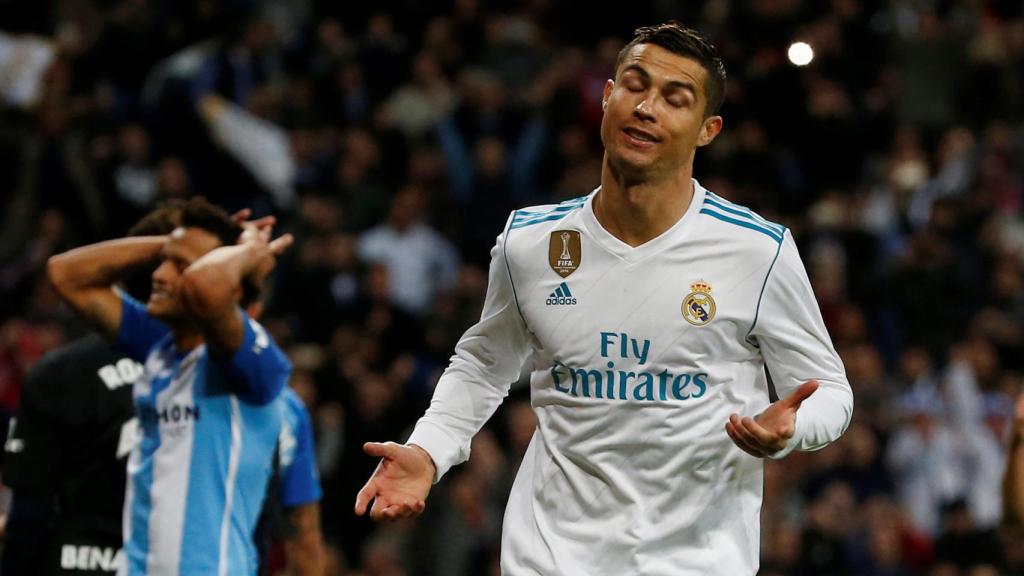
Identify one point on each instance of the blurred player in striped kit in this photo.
(65, 458)
(208, 401)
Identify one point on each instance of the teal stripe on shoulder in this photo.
(733, 208)
(742, 213)
(526, 215)
(521, 221)
(563, 206)
(576, 200)
(714, 199)
(523, 224)
(744, 223)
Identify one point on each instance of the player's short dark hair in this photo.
(198, 212)
(683, 41)
(160, 221)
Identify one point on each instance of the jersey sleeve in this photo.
(139, 331)
(487, 360)
(258, 370)
(796, 348)
(300, 480)
(32, 452)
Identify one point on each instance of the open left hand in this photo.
(769, 431)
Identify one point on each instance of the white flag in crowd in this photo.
(23, 63)
(263, 148)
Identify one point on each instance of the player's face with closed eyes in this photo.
(654, 112)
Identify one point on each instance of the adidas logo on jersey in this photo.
(561, 296)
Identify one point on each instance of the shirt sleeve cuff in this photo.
(438, 444)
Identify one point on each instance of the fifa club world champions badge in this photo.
(699, 307)
(565, 251)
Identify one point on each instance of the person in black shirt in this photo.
(66, 452)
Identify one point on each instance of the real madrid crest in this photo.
(565, 250)
(699, 307)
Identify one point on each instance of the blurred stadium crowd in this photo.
(394, 137)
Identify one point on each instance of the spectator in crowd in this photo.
(418, 261)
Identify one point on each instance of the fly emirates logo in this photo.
(611, 383)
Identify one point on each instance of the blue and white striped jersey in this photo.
(198, 478)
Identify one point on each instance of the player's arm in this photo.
(300, 494)
(487, 360)
(211, 285)
(1013, 481)
(815, 402)
(85, 277)
(305, 544)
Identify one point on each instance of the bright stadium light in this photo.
(800, 53)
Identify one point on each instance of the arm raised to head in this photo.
(85, 277)
(212, 285)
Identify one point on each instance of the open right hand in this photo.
(400, 484)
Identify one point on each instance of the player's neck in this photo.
(638, 212)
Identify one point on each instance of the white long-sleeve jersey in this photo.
(640, 354)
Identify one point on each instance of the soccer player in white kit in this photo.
(650, 310)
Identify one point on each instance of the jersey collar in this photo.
(673, 235)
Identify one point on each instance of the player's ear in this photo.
(711, 127)
(608, 85)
